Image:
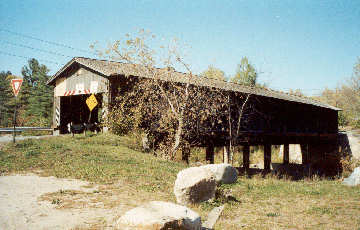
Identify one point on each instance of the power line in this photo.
(46, 41)
(43, 60)
(36, 49)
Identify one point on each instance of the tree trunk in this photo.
(210, 154)
(226, 155)
(186, 153)
(177, 140)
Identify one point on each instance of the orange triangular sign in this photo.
(16, 85)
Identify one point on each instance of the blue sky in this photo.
(307, 45)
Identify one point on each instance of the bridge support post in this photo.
(246, 157)
(286, 155)
(267, 157)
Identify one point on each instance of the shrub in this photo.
(348, 165)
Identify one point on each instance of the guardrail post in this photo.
(14, 125)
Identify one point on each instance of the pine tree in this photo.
(36, 97)
(5, 97)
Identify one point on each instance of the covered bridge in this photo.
(285, 119)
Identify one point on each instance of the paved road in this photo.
(9, 137)
(354, 141)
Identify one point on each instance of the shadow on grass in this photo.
(289, 171)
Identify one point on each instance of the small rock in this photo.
(159, 215)
(354, 178)
(213, 216)
(194, 185)
(223, 173)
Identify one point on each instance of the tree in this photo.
(161, 102)
(347, 97)
(245, 73)
(350, 101)
(36, 97)
(213, 73)
(5, 96)
(34, 101)
(296, 92)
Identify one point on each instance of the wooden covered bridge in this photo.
(272, 117)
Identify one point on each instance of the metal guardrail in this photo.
(21, 129)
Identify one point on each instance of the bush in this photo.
(348, 165)
(119, 122)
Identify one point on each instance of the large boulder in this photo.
(194, 185)
(354, 178)
(159, 215)
(223, 173)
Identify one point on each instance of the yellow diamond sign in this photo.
(91, 102)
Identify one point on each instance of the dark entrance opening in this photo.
(74, 110)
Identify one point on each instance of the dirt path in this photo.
(30, 202)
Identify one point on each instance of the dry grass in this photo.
(281, 204)
(124, 176)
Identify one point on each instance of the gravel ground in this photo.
(21, 208)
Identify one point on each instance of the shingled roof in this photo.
(111, 68)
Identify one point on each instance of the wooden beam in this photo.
(210, 154)
(246, 157)
(286, 155)
(267, 157)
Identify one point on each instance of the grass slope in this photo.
(116, 164)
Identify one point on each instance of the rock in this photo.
(354, 178)
(223, 173)
(194, 185)
(213, 216)
(159, 215)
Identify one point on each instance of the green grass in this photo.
(101, 159)
(117, 164)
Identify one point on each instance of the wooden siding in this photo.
(60, 87)
(80, 80)
(265, 120)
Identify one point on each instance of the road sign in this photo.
(16, 85)
(91, 102)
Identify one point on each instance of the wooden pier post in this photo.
(246, 157)
(286, 155)
(267, 157)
